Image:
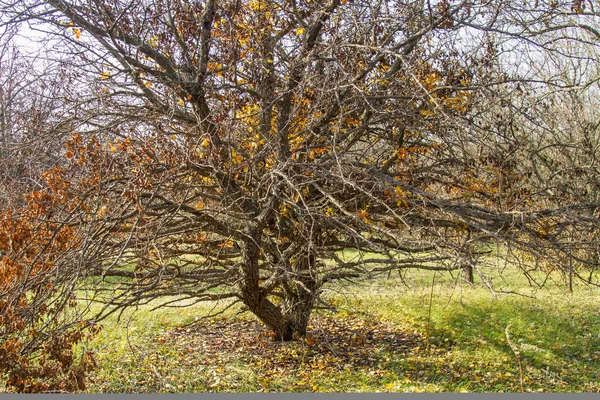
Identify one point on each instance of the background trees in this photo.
(256, 151)
(39, 324)
(32, 122)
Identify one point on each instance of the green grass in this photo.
(449, 336)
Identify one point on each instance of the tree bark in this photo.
(290, 320)
(300, 295)
(468, 268)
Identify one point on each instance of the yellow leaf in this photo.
(299, 31)
(181, 102)
(213, 66)
(257, 5)
(153, 41)
(77, 32)
(284, 211)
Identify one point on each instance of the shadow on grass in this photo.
(558, 345)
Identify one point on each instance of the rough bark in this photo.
(301, 295)
(288, 321)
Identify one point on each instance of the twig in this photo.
(517, 350)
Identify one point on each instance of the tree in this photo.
(39, 321)
(255, 151)
(31, 133)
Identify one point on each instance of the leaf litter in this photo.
(330, 343)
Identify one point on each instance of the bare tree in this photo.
(32, 123)
(256, 151)
(39, 321)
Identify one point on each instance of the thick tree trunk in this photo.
(290, 320)
(289, 324)
(300, 295)
(273, 318)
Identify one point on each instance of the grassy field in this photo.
(422, 333)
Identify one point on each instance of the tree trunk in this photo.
(274, 319)
(468, 268)
(300, 295)
(290, 320)
(287, 325)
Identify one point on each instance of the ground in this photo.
(401, 334)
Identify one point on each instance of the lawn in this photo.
(422, 332)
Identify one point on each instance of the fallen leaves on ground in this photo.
(332, 344)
